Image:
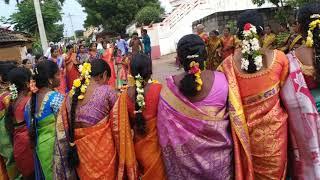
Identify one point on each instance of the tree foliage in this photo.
(148, 14)
(79, 33)
(25, 18)
(113, 15)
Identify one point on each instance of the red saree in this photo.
(147, 148)
(22, 151)
(107, 57)
(3, 172)
(72, 72)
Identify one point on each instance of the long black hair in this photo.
(304, 19)
(190, 46)
(140, 65)
(5, 68)
(98, 68)
(43, 72)
(20, 77)
(256, 19)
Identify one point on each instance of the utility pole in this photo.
(42, 31)
(74, 33)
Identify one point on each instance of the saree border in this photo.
(179, 106)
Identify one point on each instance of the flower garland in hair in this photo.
(140, 96)
(195, 70)
(83, 81)
(13, 91)
(312, 26)
(251, 47)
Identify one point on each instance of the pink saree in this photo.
(304, 124)
(196, 142)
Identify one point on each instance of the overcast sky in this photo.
(71, 7)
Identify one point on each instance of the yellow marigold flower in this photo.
(199, 88)
(77, 83)
(155, 81)
(80, 97)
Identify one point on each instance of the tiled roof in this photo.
(13, 36)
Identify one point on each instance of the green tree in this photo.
(113, 15)
(79, 33)
(149, 14)
(25, 19)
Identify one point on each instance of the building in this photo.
(13, 45)
(179, 22)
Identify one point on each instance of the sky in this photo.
(71, 7)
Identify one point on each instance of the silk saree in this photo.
(50, 153)
(304, 124)
(196, 143)
(6, 148)
(258, 120)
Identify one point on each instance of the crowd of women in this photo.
(257, 117)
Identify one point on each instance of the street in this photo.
(164, 67)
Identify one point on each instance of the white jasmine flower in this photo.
(140, 97)
(244, 64)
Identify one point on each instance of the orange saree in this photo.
(72, 72)
(147, 148)
(127, 166)
(258, 121)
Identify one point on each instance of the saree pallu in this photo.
(122, 135)
(195, 145)
(259, 130)
(6, 148)
(214, 59)
(107, 57)
(304, 124)
(22, 151)
(96, 152)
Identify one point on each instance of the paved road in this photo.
(164, 67)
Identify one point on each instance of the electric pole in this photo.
(74, 33)
(42, 31)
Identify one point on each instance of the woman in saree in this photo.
(301, 96)
(6, 149)
(214, 48)
(269, 38)
(82, 55)
(141, 103)
(93, 52)
(19, 79)
(72, 71)
(258, 121)
(193, 124)
(57, 57)
(228, 42)
(108, 57)
(86, 112)
(47, 136)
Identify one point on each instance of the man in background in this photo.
(122, 45)
(136, 44)
(146, 43)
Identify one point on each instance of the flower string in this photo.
(196, 71)
(314, 24)
(140, 93)
(251, 47)
(83, 81)
(13, 91)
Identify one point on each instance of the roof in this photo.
(8, 36)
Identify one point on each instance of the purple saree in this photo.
(196, 142)
(304, 124)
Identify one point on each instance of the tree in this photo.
(149, 14)
(25, 19)
(79, 33)
(18, 1)
(281, 3)
(113, 15)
